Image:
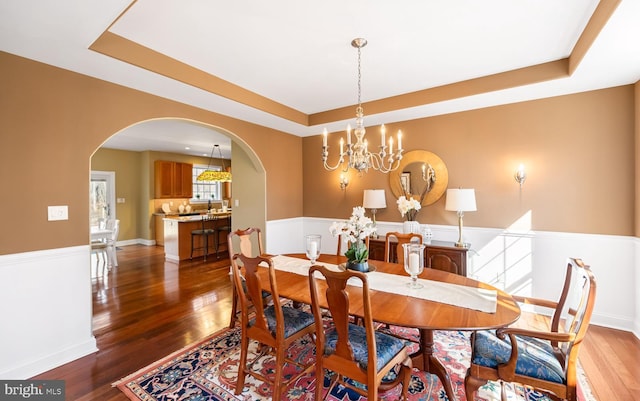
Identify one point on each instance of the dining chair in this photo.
(400, 239)
(114, 226)
(544, 360)
(245, 241)
(105, 249)
(99, 249)
(205, 231)
(354, 353)
(275, 326)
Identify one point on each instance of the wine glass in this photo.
(414, 262)
(312, 247)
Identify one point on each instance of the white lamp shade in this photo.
(374, 199)
(461, 200)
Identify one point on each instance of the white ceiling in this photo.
(298, 53)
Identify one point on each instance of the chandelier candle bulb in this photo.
(391, 145)
(399, 140)
(324, 138)
(348, 136)
(341, 145)
(382, 135)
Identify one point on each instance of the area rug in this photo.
(207, 371)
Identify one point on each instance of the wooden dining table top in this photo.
(403, 310)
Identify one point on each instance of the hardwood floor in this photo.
(148, 308)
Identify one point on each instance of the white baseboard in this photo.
(51, 361)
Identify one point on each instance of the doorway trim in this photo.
(110, 178)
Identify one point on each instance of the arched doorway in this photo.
(133, 170)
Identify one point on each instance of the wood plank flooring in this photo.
(148, 308)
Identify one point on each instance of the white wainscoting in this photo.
(46, 301)
(46, 310)
(518, 261)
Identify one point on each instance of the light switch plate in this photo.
(58, 213)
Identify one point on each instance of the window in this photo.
(204, 191)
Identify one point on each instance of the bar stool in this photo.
(224, 228)
(204, 233)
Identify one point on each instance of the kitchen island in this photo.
(177, 236)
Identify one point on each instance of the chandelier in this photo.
(357, 155)
(213, 175)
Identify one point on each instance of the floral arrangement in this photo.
(408, 207)
(356, 229)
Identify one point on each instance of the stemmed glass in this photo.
(414, 262)
(312, 247)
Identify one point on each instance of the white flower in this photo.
(408, 207)
(357, 228)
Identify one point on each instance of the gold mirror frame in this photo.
(421, 157)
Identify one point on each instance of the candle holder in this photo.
(414, 262)
(312, 247)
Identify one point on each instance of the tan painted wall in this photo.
(637, 163)
(52, 121)
(578, 151)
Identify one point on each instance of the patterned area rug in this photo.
(207, 371)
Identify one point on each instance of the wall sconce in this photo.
(344, 181)
(520, 175)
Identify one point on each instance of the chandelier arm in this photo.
(325, 156)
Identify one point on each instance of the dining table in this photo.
(435, 307)
(98, 234)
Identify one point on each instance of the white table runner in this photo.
(452, 294)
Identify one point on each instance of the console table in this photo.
(439, 255)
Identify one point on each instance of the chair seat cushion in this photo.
(265, 294)
(535, 356)
(294, 320)
(386, 346)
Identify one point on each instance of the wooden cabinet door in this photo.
(449, 260)
(183, 180)
(163, 179)
(173, 179)
(187, 180)
(159, 229)
(376, 249)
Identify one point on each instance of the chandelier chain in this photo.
(359, 78)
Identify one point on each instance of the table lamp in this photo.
(374, 199)
(460, 201)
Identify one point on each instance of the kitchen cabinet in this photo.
(173, 179)
(439, 255)
(177, 236)
(159, 228)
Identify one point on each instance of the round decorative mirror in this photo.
(421, 175)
